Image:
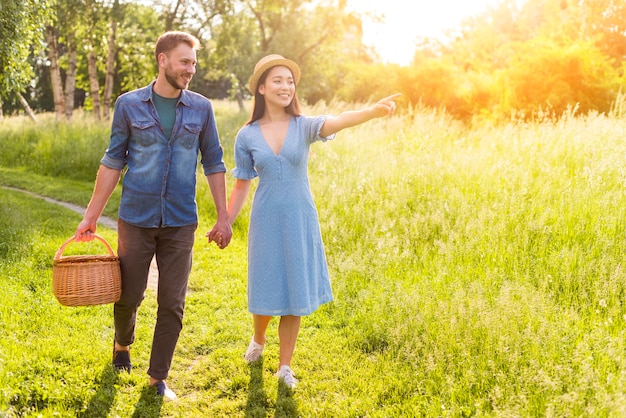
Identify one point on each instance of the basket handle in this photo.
(59, 252)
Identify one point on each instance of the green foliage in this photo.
(526, 57)
(94, 35)
(605, 22)
(21, 25)
(229, 56)
(437, 84)
(540, 55)
(136, 39)
(544, 74)
(365, 83)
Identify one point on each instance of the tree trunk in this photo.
(94, 85)
(239, 96)
(55, 72)
(171, 16)
(242, 108)
(27, 108)
(110, 68)
(70, 76)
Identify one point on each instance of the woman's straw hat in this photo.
(268, 62)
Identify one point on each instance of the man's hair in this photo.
(170, 40)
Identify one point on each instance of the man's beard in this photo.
(172, 79)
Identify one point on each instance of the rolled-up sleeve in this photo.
(210, 147)
(115, 155)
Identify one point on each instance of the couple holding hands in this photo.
(157, 134)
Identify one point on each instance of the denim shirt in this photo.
(159, 186)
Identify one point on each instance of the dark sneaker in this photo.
(121, 361)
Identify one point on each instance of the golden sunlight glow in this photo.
(404, 21)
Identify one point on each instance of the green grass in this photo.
(476, 272)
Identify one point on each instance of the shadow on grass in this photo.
(285, 403)
(257, 404)
(149, 404)
(102, 401)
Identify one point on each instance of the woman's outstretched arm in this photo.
(351, 118)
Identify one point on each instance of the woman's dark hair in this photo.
(258, 110)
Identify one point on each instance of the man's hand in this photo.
(220, 234)
(85, 231)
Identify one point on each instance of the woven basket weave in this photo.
(83, 280)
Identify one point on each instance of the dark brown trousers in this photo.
(173, 248)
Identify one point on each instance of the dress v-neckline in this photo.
(276, 154)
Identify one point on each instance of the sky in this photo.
(394, 40)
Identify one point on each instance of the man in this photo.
(157, 133)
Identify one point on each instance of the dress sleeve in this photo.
(244, 163)
(314, 124)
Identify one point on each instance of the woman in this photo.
(287, 271)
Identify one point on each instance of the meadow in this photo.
(478, 271)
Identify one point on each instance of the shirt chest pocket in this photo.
(144, 132)
(189, 135)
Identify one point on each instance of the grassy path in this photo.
(153, 276)
(104, 220)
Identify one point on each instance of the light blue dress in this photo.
(287, 268)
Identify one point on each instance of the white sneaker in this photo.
(254, 351)
(287, 376)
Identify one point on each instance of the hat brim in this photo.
(259, 71)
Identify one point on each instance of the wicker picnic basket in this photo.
(83, 280)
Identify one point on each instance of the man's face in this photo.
(180, 66)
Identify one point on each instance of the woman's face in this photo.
(279, 87)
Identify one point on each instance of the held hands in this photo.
(386, 106)
(220, 234)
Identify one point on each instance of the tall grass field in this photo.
(477, 272)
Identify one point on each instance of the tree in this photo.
(137, 29)
(319, 35)
(110, 43)
(537, 54)
(601, 21)
(230, 54)
(70, 74)
(55, 71)
(21, 23)
(549, 76)
(95, 18)
(110, 62)
(63, 31)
